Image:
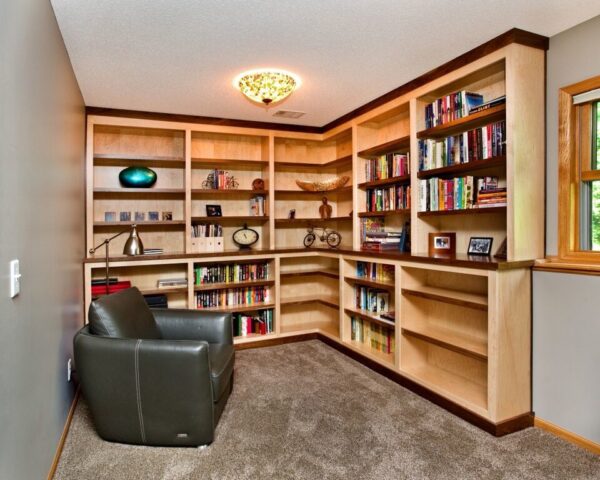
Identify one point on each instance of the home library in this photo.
(456, 325)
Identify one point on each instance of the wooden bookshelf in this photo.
(225, 163)
(146, 223)
(370, 283)
(227, 192)
(282, 222)
(463, 211)
(222, 286)
(231, 218)
(240, 308)
(404, 179)
(369, 316)
(449, 339)
(464, 168)
(342, 190)
(466, 123)
(328, 300)
(136, 192)
(304, 273)
(464, 299)
(125, 160)
(385, 213)
(400, 145)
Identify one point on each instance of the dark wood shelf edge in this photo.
(464, 123)
(304, 274)
(370, 283)
(464, 167)
(400, 145)
(462, 211)
(386, 181)
(402, 211)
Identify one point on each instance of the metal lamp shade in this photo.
(133, 245)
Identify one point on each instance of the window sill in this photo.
(576, 266)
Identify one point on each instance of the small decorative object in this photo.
(502, 252)
(245, 237)
(125, 216)
(480, 245)
(324, 186)
(213, 211)
(137, 177)
(442, 243)
(292, 214)
(209, 183)
(325, 209)
(140, 216)
(332, 237)
(220, 180)
(153, 216)
(167, 216)
(258, 184)
(230, 182)
(110, 216)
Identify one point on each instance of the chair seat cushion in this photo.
(221, 359)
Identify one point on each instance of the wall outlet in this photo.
(69, 370)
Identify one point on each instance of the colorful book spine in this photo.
(395, 197)
(378, 337)
(375, 271)
(231, 297)
(451, 107)
(260, 323)
(387, 166)
(460, 193)
(230, 273)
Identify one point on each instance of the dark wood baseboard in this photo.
(63, 436)
(500, 429)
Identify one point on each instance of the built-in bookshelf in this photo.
(461, 325)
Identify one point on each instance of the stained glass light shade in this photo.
(266, 86)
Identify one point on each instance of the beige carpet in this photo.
(306, 411)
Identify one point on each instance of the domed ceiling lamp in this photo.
(266, 85)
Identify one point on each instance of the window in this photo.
(579, 171)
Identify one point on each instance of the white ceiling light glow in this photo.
(267, 85)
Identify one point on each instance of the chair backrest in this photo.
(124, 314)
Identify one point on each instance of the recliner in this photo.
(154, 377)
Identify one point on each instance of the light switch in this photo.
(15, 278)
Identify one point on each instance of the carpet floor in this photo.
(306, 411)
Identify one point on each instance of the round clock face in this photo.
(244, 237)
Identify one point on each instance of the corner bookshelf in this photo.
(311, 160)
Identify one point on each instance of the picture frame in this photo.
(153, 216)
(442, 243)
(125, 216)
(140, 216)
(167, 216)
(214, 211)
(480, 246)
(110, 216)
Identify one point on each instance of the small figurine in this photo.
(325, 209)
(292, 214)
(258, 184)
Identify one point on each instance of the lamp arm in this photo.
(106, 241)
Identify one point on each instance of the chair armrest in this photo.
(179, 324)
(146, 391)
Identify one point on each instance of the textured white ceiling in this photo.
(179, 56)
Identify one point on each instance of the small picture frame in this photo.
(442, 243)
(140, 216)
(125, 216)
(480, 246)
(110, 216)
(153, 216)
(213, 211)
(167, 216)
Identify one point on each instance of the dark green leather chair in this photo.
(154, 377)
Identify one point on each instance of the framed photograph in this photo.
(213, 211)
(153, 216)
(110, 216)
(167, 216)
(125, 216)
(480, 245)
(442, 243)
(140, 216)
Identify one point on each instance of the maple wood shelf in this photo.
(463, 211)
(291, 222)
(450, 340)
(139, 192)
(370, 283)
(224, 285)
(336, 163)
(328, 300)
(197, 192)
(404, 179)
(116, 159)
(466, 123)
(342, 190)
(463, 299)
(239, 308)
(147, 223)
(231, 218)
(304, 273)
(473, 166)
(400, 145)
(369, 316)
(401, 211)
(204, 162)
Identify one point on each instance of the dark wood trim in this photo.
(464, 124)
(399, 145)
(63, 436)
(199, 119)
(462, 211)
(514, 35)
(467, 167)
(272, 342)
(385, 181)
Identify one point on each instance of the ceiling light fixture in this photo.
(267, 85)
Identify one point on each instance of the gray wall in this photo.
(566, 326)
(42, 134)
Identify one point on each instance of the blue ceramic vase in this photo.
(137, 177)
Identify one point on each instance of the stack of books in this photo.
(114, 285)
(387, 166)
(153, 251)
(437, 194)
(202, 230)
(261, 323)
(487, 105)
(490, 193)
(219, 179)
(451, 107)
(171, 282)
(381, 241)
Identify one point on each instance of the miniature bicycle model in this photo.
(332, 237)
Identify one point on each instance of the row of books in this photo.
(460, 193)
(201, 230)
(233, 296)
(478, 144)
(371, 299)
(451, 107)
(219, 179)
(260, 323)
(257, 206)
(379, 337)
(384, 199)
(230, 273)
(387, 166)
(375, 271)
(387, 240)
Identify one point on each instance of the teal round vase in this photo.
(137, 177)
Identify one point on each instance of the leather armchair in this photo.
(154, 377)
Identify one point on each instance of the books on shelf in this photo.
(477, 144)
(373, 224)
(207, 230)
(460, 193)
(218, 180)
(207, 237)
(230, 273)
(372, 299)
(257, 206)
(489, 104)
(387, 166)
(378, 337)
(385, 240)
(260, 323)
(375, 271)
(230, 297)
(385, 199)
(99, 289)
(171, 282)
(451, 107)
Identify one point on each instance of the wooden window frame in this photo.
(574, 166)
